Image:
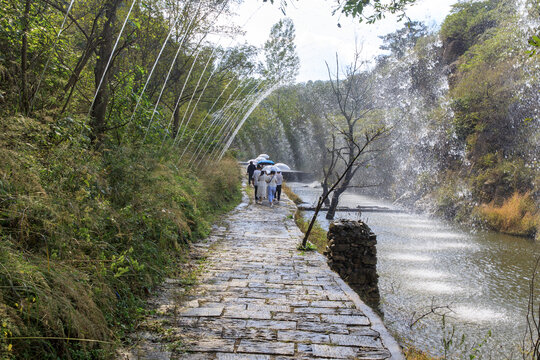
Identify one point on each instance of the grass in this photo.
(85, 236)
(518, 215)
(291, 195)
(317, 236)
(412, 353)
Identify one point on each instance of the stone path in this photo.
(259, 298)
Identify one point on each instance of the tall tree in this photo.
(282, 62)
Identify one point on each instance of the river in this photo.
(479, 279)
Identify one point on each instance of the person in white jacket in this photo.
(261, 187)
(271, 180)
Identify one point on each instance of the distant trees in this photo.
(463, 103)
(282, 63)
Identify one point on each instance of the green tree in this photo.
(282, 62)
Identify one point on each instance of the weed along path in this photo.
(259, 298)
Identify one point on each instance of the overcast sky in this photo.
(318, 37)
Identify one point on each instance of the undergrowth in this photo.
(517, 215)
(86, 235)
(317, 236)
(291, 195)
(412, 353)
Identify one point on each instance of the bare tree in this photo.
(354, 147)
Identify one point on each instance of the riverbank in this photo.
(86, 235)
(423, 262)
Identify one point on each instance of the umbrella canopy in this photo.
(266, 162)
(282, 167)
(267, 169)
(264, 156)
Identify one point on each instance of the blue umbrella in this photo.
(266, 162)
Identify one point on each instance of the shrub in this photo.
(86, 235)
(518, 215)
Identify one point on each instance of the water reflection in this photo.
(426, 274)
(483, 277)
(472, 313)
(408, 257)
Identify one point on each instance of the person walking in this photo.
(271, 180)
(256, 175)
(261, 186)
(279, 182)
(250, 170)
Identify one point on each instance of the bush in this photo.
(518, 215)
(86, 235)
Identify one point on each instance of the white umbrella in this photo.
(267, 169)
(264, 156)
(282, 166)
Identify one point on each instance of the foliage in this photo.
(517, 215)
(282, 62)
(403, 39)
(84, 236)
(317, 239)
(291, 195)
(412, 353)
(365, 10)
(469, 20)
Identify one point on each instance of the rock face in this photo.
(453, 49)
(352, 253)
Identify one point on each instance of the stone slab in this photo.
(266, 347)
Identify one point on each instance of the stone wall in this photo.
(352, 253)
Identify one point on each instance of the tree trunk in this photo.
(324, 192)
(331, 213)
(176, 123)
(25, 21)
(99, 110)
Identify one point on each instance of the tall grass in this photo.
(518, 215)
(86, 235)
(317, 236)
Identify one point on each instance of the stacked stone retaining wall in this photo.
(352, 253)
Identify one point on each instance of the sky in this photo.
(318, 37)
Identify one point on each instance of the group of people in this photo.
(267, 184)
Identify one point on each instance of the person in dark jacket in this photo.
(250, 170)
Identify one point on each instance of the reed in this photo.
(517, 215)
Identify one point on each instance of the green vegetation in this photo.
(291, 195)
(317, 236)
(317, 239)
(412, 353)
(85, 236)
(98, 201)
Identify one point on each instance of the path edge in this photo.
(376, 322)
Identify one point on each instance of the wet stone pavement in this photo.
(259, 298)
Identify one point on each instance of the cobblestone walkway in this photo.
(259, 298)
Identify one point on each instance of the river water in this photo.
(480, 280)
